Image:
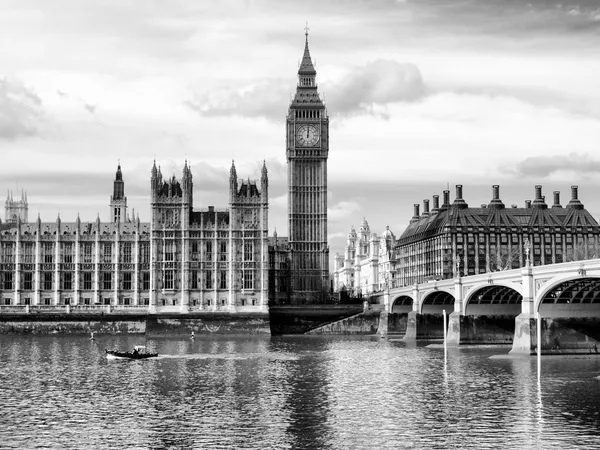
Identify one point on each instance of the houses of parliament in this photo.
(185, 259)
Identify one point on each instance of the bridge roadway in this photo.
(502, 308)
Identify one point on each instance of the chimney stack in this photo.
(446, 203)
(436, 202)
(539, 198)
(459, 201)
(527, 204)
(574, 203)
(496, 202)
(415, 216)
(426, 207)
(556, 199)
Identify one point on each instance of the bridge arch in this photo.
(434, 302)
(402, 304)
(487, 299)
(571, 296)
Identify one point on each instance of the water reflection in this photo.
(290, 393)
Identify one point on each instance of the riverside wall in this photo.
(148, 324)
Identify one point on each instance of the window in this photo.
(194, 250)
(248, 250)
(248, 279)
(145, 281)
(27, 301)
(127, 281)
(8, 280)
(145, 253)
(87, 251)
(127, 301)
(107, 253)
(48, 252)
(67, 281)
(208, 280)
(107, 300)
(67, 301)
(223, 251)
(28, 253)
(127, 253)
(27, 281)
(86, 301)
(67, 252)
(107, 281)
(8, 254)
(47, 301)
(169, 251)
(209, 251)
(87, 280)
(223, 280)
(47, 281)
(194, 279)
(169, 279)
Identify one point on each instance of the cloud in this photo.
(268, 99)
(342, 210)
(543, 166)
(20, 110)
(90, 108)
(377, 83)
(361, 89)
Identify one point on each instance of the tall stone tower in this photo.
(16, 209)
(307, 139)
(118, 201)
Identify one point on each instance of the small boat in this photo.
(139, 352)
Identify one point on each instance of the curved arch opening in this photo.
(402, 304)
(494, 301)
(438, 301)
(573, 298)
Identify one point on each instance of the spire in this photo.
(264, 170)
(154, 171)
(119, 185)
(306, 66)
(232, 171)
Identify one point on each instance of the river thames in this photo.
(303, 392)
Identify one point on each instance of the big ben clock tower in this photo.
(307, 141)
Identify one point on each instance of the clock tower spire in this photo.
(307, 142)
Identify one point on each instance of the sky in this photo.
(422, 95)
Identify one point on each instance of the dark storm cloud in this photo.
(543, 166)
(20, 110)
(378, 83)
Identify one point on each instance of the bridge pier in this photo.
(453, 334)
(525, 339)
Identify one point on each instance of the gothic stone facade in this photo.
(368, 262)
(183, 260)
(307, 139)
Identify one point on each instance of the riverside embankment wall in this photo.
(149, 324)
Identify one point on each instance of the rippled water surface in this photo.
(290, 393)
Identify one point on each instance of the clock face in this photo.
(307, 135)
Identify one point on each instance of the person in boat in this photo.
(135, 351)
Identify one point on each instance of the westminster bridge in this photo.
(503, 307)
